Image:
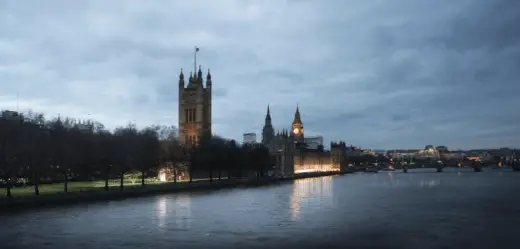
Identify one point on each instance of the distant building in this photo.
(314, 142)
(249, 138)
(11, 115)
(291, 154)
(83, 127)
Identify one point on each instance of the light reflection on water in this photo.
(310, 192)
(176, 209)
(162, 206)
(429, 183)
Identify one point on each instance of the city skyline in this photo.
(396, 74)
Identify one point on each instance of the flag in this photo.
(196, 49)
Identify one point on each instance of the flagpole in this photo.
(195, 62)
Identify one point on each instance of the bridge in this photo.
(439, 166)
(436, 164)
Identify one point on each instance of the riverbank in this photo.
(27, 202)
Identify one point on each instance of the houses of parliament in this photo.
(194, 107)
(287, 146)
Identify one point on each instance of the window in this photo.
(192, 140)
(190, 115)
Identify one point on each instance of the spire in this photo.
(181, 79)
(268, 115)
(208, 79)
(208, 76)
(199, 74)
(297, 117)
(268, 133)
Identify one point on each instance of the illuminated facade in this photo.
(194, 107)
(292, 154)
(194, 119)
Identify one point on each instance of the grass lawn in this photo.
(55, 188)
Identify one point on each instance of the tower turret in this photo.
(208, 80)
(268, 136)
(181, 79)
(208, 96)
(194, 108)
(297, 126)
(199, 74)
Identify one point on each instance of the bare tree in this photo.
(125, 152)
(147, 151)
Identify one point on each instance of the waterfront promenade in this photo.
(457, 208)
(26, 199)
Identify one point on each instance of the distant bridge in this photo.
(476, 166)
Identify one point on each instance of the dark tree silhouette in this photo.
(37, 151)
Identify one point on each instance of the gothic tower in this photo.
(297, 127)
(194, 108)
(268, 131)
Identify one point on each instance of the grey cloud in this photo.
(141, 99)
(220, 92)
(401, 73)
(488, 25)
(280, 74)
(401, 117)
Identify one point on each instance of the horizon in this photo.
(399, 74)
(326, 145)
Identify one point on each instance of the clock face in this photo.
(296, 131)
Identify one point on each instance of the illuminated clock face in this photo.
(296, 131)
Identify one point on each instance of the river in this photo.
(420, 209)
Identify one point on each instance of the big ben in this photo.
(297, 127)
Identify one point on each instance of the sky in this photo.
(375, 73)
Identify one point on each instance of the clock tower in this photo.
(297, 127)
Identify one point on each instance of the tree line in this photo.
(35, 150)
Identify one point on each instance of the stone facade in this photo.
(339, 155)
(194, 119)
(194, 107)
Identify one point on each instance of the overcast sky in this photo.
(376, 73)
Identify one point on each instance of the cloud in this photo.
(384, 74)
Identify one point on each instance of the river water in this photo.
(420, 209)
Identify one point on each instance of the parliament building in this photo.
(194, 107)
(288, 147)
(293, 156)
